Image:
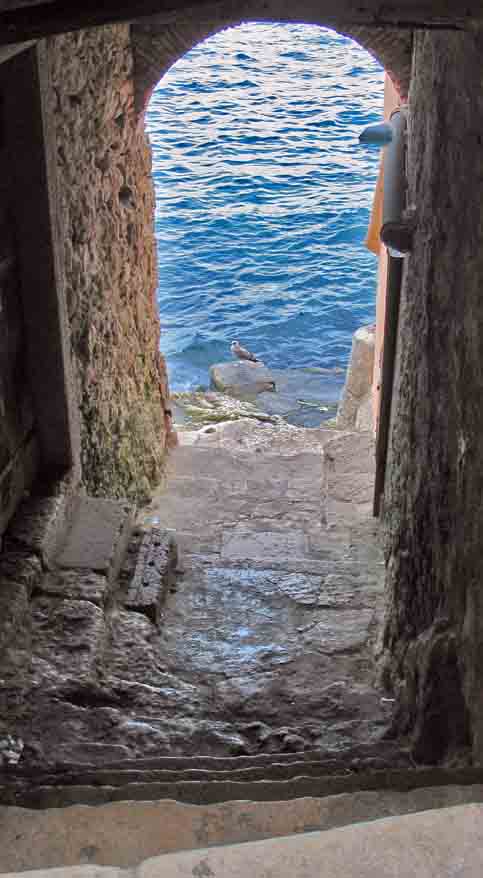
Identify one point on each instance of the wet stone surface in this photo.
(267, 638)
(263, 640)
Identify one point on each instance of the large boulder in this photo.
(242, 378)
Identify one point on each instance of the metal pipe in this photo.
(394, 203)
(394, 198)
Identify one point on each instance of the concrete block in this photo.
(68, 635)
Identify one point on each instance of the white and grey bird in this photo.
(242, 353)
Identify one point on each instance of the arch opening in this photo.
(269, 190)
(245, 203)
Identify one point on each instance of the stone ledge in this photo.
(124, 833)
(97, 536)
(430, 844)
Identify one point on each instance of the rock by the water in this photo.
(242, 379)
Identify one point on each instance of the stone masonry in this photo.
(433, 505)
(107, 213)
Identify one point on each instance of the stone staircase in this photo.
(152, 706)
(127, 824)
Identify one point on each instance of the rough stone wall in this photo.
(17, 451)
(434, 510)
(107, 209)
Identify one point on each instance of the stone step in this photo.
(40, 522)
(435, 835)
(389, 753)
(97, 537)
(121, 777)
(223, 790)
(99, 758)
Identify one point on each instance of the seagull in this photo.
(242, 353)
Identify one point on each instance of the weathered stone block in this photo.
(358, 385)
(97, 535)
(69, 635)
(156, 557)
(39, 522)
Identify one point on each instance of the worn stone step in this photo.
(215, 791)
(121, 777)
(41, 520)
(126, 833)
(389, 753)
(435, 844)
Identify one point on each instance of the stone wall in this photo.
(106, 209)
(434, 510)
(157, 45)
(17, 444)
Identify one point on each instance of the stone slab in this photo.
(242, 379)
(434, 844)
(125, 833)
(240, 544)
(96, 536)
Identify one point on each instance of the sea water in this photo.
(263, 196)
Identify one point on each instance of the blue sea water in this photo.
(263, 195)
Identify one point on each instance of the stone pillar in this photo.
(355, 410)
(434, 487)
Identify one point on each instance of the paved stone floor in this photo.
(265, 641)
(269, 629)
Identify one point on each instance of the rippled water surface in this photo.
(263, 197)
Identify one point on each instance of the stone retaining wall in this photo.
(107, 208)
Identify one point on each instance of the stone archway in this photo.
(156, 46)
